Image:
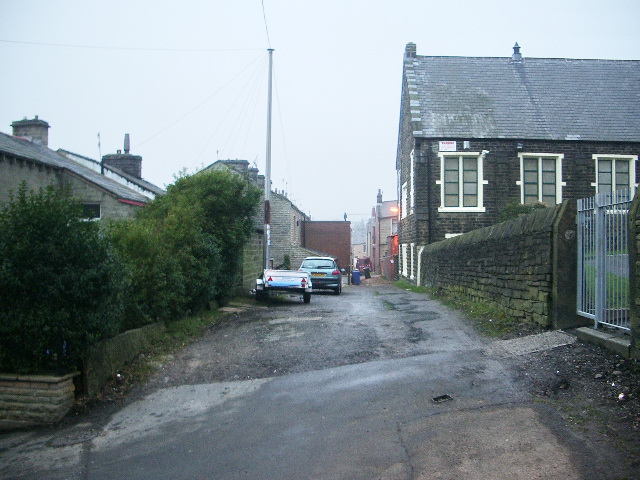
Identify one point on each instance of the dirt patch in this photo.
(596, 391)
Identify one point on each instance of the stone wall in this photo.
(27, 400)
(520, 266)
(107, 357)
(634, 275)
(252, 261)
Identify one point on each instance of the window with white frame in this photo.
(541, 178)
(614, 172)
(461, 182)
(404, 259)
(403, 204)
(411, 183)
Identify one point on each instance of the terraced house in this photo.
(112, 188)
(477, 133)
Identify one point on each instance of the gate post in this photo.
(634, 271)
(564, 269)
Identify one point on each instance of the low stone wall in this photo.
(523, 266)
(28, 400)
(106, 358)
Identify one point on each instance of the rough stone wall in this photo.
(13, 172)
(287, 223)
(252, 261)
(27, 400)
(509, 264)
(110, 207)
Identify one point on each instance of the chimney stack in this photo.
(410, 50)
(516, 57)
(379, 196)
(130, 164)
(36, 130)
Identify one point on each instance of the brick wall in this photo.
(333, 238)
(519, 266)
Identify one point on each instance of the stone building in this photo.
(105, 191)
(478, 133)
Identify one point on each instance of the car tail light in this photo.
(269, 279)
(335, 272)
(304, 282)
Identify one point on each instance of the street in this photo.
(377, 383)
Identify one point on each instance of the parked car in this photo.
(325, 273)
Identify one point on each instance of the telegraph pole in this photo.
(267, 180)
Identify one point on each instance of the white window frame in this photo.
(403, 207)
(411, 184)
(481, 181)
(559, 157)
(411, 275)
(633, 159)
(404, 259)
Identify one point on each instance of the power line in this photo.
(264, 15)
(139, 49)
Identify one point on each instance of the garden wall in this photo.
(525, 266)
(27, 400)
(634, 275)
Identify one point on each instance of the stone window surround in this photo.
(559, 183)
(632, 168)
(481, 182)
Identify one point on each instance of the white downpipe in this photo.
(420, 250)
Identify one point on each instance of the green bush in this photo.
(514, 209)
(183, 251)
(60, 284)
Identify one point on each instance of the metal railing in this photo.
(603, 258)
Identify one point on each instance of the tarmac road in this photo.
(377, 383)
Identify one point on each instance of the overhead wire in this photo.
(182, 117)
(140, 49)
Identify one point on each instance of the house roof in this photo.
(523, 98)
(40, 154)
(96, 166)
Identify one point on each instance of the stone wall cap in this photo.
(12, 377)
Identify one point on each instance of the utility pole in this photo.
(267, 180)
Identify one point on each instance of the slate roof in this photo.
(140, 182)
(536, 98)
(22, 148)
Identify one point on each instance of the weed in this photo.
(488, 319)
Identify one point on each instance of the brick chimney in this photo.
(36, 130)
(379, 196)
(131, 164)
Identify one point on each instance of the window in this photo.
(91, 211)
(461, 182)
(614, 172)
(403, 211)
(541, 178)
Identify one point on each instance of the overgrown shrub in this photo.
(514, 209)
(184, 249)
(59, 283)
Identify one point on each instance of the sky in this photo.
(188, 80)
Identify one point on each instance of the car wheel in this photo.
(306, 297)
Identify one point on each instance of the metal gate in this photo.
(603, 258)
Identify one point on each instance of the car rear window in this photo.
(317, 264)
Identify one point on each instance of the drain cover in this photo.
(442, 398)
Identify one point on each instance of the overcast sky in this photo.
(188, 80)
